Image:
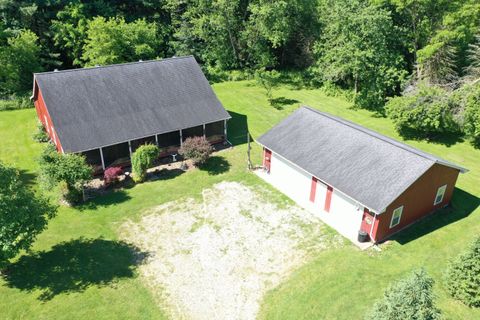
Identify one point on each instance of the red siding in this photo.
(267, 159)
(328, 199)
(44, 117)
(417, 200)
(313, 189)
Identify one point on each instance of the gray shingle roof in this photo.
(100, 106)
(365, 165)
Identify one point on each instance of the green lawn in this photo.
(71, 275)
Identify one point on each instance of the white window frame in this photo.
(441, 189)
(399, 217)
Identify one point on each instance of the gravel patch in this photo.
(216, 258)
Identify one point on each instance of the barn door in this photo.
(267, 159)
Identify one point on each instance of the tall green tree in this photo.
(19, 59)
(23, 214)
(116, 41)
(356, 49)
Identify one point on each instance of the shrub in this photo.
(40, 134)
(426, 113)
(198, 149)
(409, 298)
(15, 103)
(112, 174)
(69, 168)
(142, 159)
(268, 80)
(471, 121)
(462, 277)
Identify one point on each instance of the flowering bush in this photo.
(112, 174)
(198, 149)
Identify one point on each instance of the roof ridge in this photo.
(114, 65)
(385, 139)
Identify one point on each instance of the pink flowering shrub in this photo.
(112, 174)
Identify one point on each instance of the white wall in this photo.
(345, 214)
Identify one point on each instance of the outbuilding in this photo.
(106, 112)
(354, 178)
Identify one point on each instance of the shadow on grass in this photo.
(237, 128)
(463, 205)
(28, 178)
(164, 174)
(74, 266)
(281, 102)
(215, 165)
(447, 139)
(107, 199)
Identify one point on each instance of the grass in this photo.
(339, 283)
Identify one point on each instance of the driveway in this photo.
(216, 258)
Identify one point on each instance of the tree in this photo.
(409, 298)
(437, 64)
(357, 50)
(427, 113)
(115, 41)
(471, 121)
(142, 159)
(20, 58)
(268, 79)
(198, 149)
(70, 171)
(472, 71)
(23, 214)
(462, 277)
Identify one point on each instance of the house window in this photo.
(440, 194)
(397, 214)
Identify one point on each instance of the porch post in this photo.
(225, 129)
(101, 157)
(156, 139)
(204, 134)
(181, 138)
(130, 149)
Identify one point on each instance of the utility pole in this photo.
(249, 161)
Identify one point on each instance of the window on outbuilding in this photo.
(440, 194)
(396, 216)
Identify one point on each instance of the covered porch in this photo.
(168, 143)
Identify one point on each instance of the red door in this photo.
(267, 159)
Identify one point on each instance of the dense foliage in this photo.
(409, 298)
(142, 159)
(40, 134)
(67, 171)
(463, 276)
(23, 214)
(197, 149)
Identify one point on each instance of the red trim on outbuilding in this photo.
(44, 117)
(328, 198)
(313, 189)
(267, 159)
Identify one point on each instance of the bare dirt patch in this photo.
(216, 258)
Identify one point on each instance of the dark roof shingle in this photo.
(365, 165)
(100, 106)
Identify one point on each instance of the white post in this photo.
(156, 139)
(130, 149)
(103, 161)
(204, 133)
(225, 129)
(181, 138)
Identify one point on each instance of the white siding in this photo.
(345, 214)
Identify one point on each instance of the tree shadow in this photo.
(446, 139)
(281, 102)
(463, 204)
(237, 128)
(164, 174)
(106, 199)
(74, 266)
(28, 178)
(215, 165)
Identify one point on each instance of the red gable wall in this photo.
(44, 117)
(417, 200)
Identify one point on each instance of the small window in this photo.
(440, 194)
(397, 214)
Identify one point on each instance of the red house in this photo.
(106, 113)
(354, 178)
